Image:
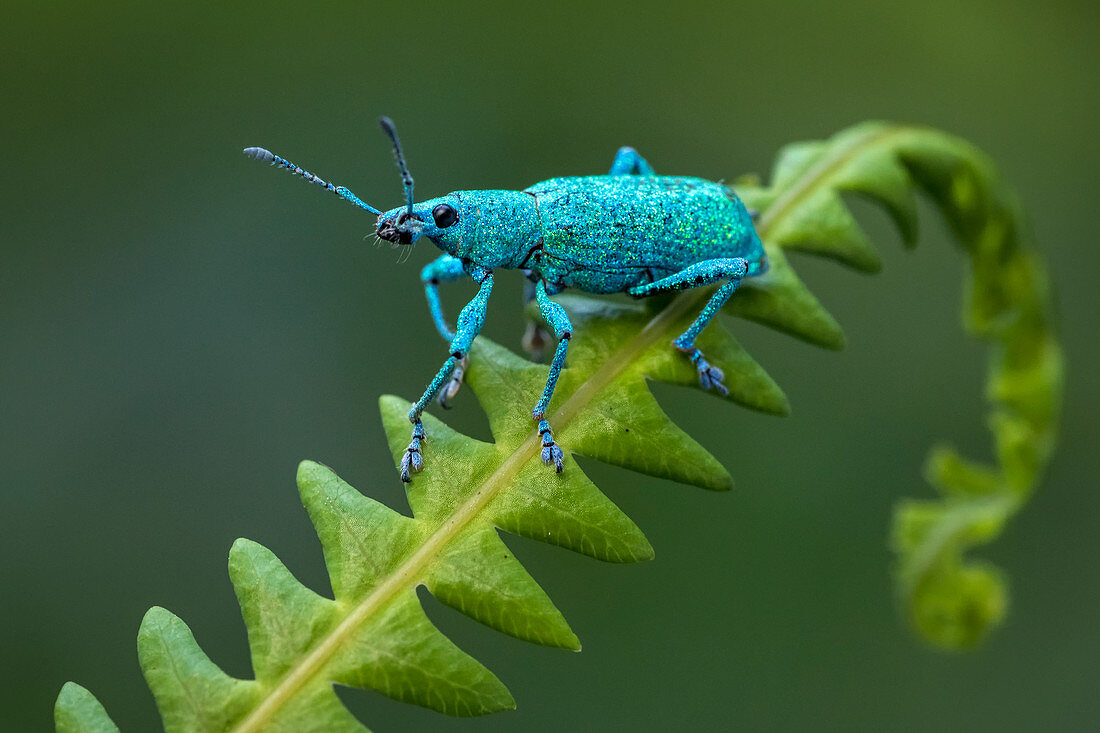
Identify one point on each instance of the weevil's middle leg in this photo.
(444, 268)
(470, 321)
(730, 269)
(555, 315)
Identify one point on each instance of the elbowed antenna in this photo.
(406, 177)
(270, 157)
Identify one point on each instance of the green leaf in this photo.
(373, 634)
(77, 711)
(191, 691)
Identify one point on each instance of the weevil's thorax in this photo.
(496, 229)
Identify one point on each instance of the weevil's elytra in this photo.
(630, 231)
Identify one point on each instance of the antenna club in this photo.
(270, 157)
(260, 154)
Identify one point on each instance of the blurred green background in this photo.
(180, 326)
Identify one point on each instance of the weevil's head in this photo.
(438, 219)
(493, 228)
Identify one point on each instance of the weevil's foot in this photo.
(551, 453)
(412, 461)
(710, 377)
(451, 388)
(535, 339)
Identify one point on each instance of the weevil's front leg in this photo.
(628, 163)
(563, 330)
(730, 269)
(470, 321)
(444, 268)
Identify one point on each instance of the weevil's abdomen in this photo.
(604, 234)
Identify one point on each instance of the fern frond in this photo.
(374, 635)
(952, 602)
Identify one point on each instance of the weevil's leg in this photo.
(731, 270)
(563, 330)
(444, 268)
(628, 163)
(470, 321)
(535, 336)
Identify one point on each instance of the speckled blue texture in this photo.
(599, 234)
(606, 234)
(629, 231)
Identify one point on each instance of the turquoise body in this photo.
(606, 234)
(630, 231)
(599, 234)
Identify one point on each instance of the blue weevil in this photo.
(630, 231)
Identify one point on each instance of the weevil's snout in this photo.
(402, 228)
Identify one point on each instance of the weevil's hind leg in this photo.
(555, 315)
(628, 163)
(444, 268)
(470, 321)
(535, 337)
(731, 270)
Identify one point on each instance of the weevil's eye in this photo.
(444, 215)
